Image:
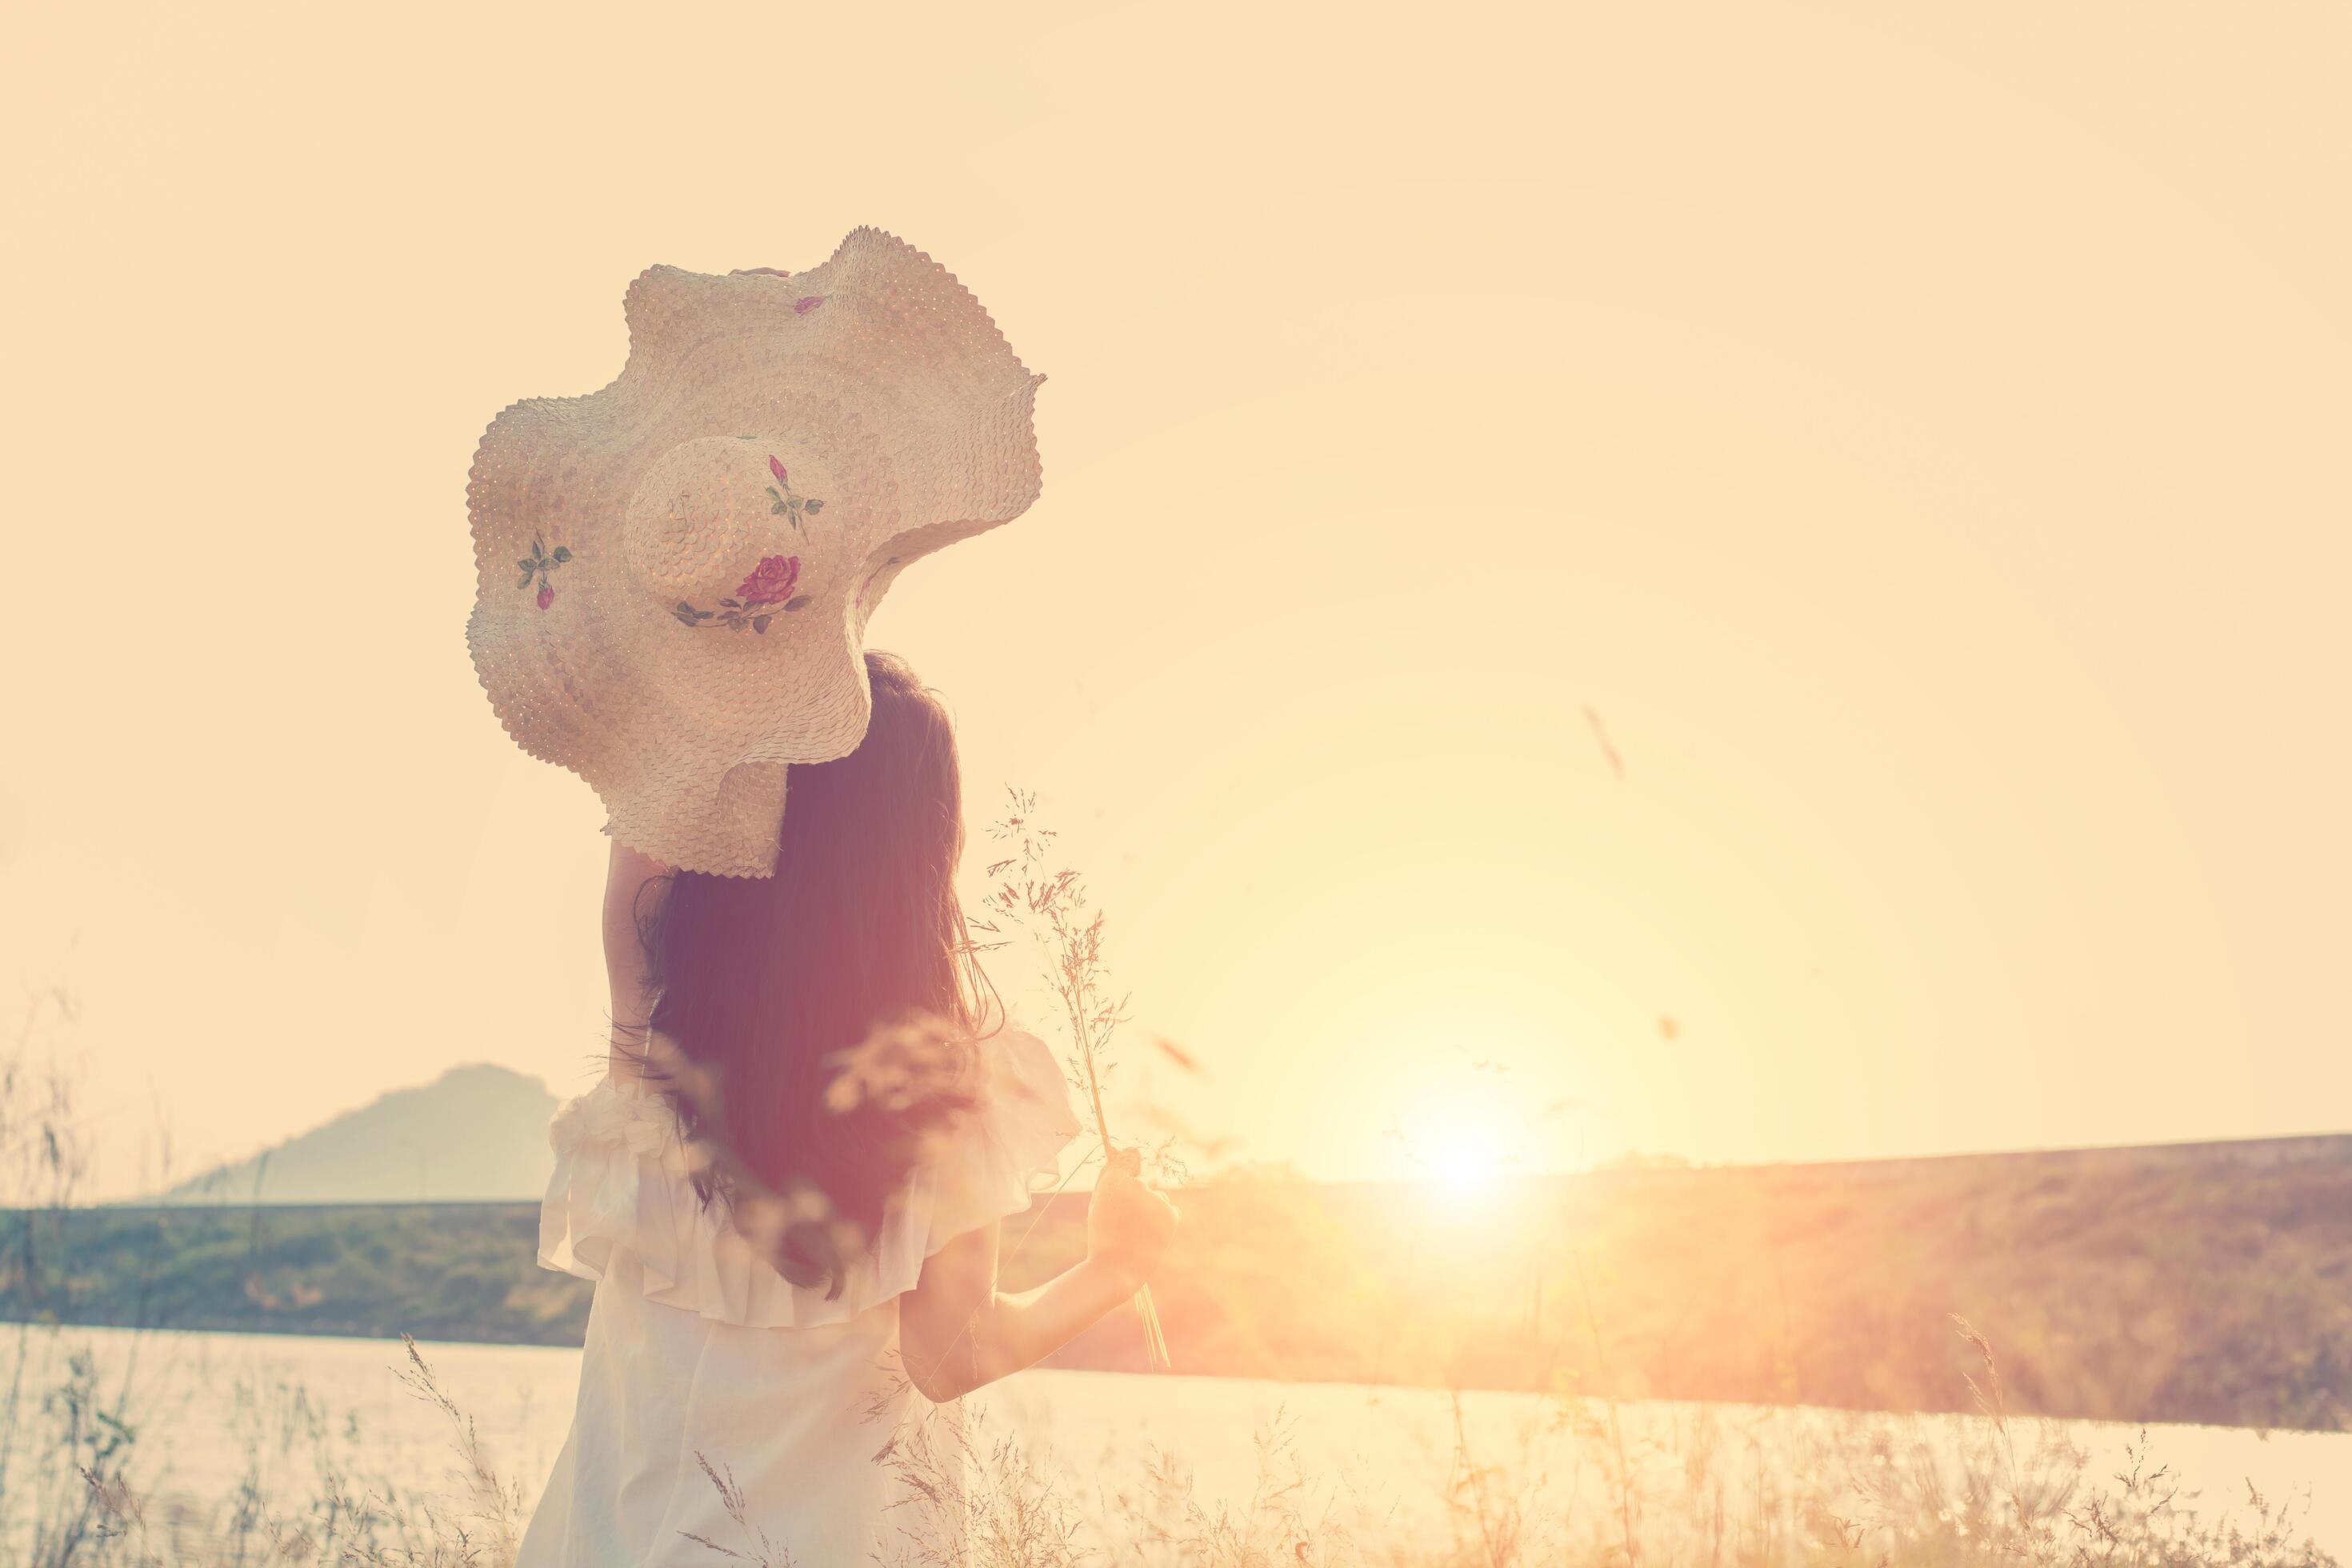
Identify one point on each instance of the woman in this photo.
(789, 1256)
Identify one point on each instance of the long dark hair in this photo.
(764, 983)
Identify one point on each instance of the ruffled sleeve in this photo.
(1007, 1152)
(621, 1181)
(602, 1141)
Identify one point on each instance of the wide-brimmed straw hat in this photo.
(675, 574)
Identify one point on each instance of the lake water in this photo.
(215, 1412)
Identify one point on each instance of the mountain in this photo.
(476, 1133)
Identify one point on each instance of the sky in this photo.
(1911, 446)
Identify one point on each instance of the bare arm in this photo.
(958, 1332)
(626, 873)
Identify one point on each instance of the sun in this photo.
(1461, 1138)
(1455, 1099)
(1463, 1162)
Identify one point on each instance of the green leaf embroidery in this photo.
(760, 622)
(796, 601)
(526, 578)
(814, 506)
(562, 553)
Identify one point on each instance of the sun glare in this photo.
(1464, 1164)
(1462, 1138)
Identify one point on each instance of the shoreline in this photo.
(1310, 1387)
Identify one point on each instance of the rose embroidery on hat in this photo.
(790, 505)
(771, 581)
(757, 598)
(540, 565)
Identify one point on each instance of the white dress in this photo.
(698, 1350)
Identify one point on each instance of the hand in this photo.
(1128, 1225)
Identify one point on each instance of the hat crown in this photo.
(712, 517)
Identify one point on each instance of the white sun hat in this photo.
(673, 575)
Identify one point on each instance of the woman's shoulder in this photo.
(1024, 1097)
(1004, 1085)
(1020, 1073)
(1006, 1148)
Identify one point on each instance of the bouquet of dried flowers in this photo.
(1031, 896)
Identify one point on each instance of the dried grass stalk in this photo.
(1049, 904)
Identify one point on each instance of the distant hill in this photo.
(475, 1134)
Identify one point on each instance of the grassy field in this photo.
(1558, 1481)
(2208, 1283)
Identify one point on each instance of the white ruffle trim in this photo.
(621, 1181)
